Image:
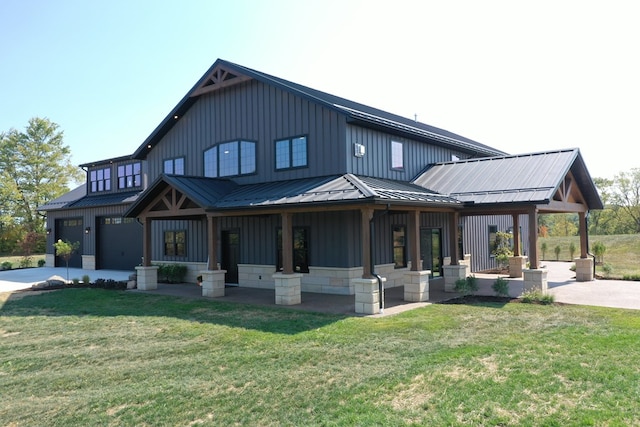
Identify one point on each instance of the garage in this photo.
(70, 230)
(119, 245)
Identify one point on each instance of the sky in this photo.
(518, 76)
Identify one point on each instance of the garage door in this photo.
(70, 230)
(119, 245)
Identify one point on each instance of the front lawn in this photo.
(114, 358)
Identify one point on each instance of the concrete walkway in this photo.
(561, 280)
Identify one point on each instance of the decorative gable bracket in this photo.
(219, 78)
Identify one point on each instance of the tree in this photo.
(35, 167)
(625, 194)
(502, 248)
(65, 249)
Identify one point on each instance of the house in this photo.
(261, 182)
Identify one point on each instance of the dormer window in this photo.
(100, 180)
(129, 175)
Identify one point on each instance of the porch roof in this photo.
(220, 194)
(526, 178)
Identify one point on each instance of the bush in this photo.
(6, 265)
(110, 284)
(41, 263)
(607, 269)
(634, 277)
(557, 250)
(537, 297)
(172, 273)
(85, 279)
(543, 248)
(501, 287)
(466, 286)
(75, 281)
(598, 250)
(572, 250)
(26, 262)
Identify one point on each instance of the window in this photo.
(175, 243)
(291, 153)
(230, 159)
(397, 160)
(100, 180)
(174, 166)
(300, 250)
(399, 246)
(129, 175)
(493, 231)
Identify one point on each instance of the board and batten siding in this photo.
(476, 238)
(260, 113)
(376, 161)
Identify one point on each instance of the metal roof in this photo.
(525, 178)
(357, 112)
(67, 198)
(105, 200)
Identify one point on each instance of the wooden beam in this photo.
(414, 239)
(582, 219)
(556, 206)
(212, 239)
(533, 239)
(516, 235)
(454, 220)
(287, 243)
(366, 214)
(146, 242)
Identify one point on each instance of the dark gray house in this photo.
(257, 181)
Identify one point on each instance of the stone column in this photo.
(367, 295)
(517, 264)
(535, 280)
(147, 277)
(416, 285)
(287, 288)
(453, 273)
(213, 283)
(584, 269)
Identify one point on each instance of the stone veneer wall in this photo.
(88, 262)
(49, 260)
(193, 269)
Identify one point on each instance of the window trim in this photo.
(393, 155)
(403, 246)
(240, 166)
(290, 140)
(175, 243)
(106, 182)
(133, 175)
(173, 165)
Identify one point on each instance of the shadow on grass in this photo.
(481, 300)
(110, 303)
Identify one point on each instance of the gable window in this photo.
(129, 175)
(291, 153)
(399, 246)
(397, 157)
(100, 180)
(230, 159)
(175, 243)
(174, 166)
(300, 250)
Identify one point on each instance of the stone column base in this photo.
(516, 265)
(49, 260)
(453, 273)
(288, 288)
(416, 286)
(147, 277)
(213, 283)
(584, 269)
(88, 262)
(535, 280)
(367, 295)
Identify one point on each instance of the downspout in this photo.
(372, 229)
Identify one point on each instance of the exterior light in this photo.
(87, 230)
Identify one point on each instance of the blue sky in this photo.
(519, 76)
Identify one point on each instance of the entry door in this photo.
(230, 254)
(431, 250)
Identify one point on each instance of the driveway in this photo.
(14, 280)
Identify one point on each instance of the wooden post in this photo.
(212, 239)
(366, 214)
(516, 235)
(287, 243)
(414, 239)
(146, 242)
(533, 239)
(582, 219)
(454, 219)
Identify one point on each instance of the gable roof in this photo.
(525, 178)
(64, 200)
(220, 194)
(224, 73)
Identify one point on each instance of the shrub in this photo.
(172, 273)
(110, 284)
(557, 250)
(572, 250)
(26, 262)
(573, 267)
(634, 277)
(6, 265)
(543, 248)
(75, 281)
(537, 297)
(85, 279)
(41, 263)
(501, 287)
(607, 269)
(598, 250)
(466, 286)
(547, 299)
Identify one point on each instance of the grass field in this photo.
(80, 357)
(622, 251)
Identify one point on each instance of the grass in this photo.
(15, 260)
(622, 252)
(113, 358)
